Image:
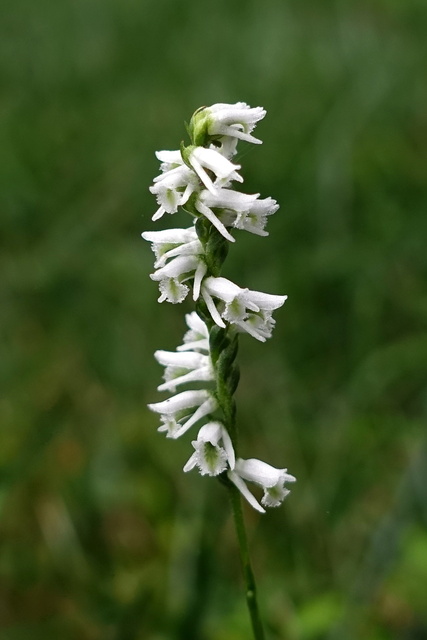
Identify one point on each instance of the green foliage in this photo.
(102, 535)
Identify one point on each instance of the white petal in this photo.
(224, 130)
(195, 323)
(228, 199)
(170, 157)
(212, 308)
(198, 277)
(210, 432)
(213, 219)
(202, 175)
(171, 236)
(228, 446)
(266, 301)
(159, 213)
(215, 162)
(172, 291)
(176, 267)
(259, 472)
(184, 360)
(207, 407)
(204, 374)
(222, 288)
(191, 463)
(240, 484)
(183, 400)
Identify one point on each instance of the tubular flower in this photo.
(233, 120)
(185, 254)
(172, 276)
(209, 456)
(173, 188)
(249, 310)
(239, 210)
(171, 243)
(176, 414)
(197, 336)
(183, 367)
(203, 160)
(272, 480)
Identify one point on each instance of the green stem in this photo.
(251, 594)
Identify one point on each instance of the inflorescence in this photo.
(198, 179)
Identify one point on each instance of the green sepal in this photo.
(198, 127)
(185, 153)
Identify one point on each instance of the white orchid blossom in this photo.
(197, 336)
(239, 210)
(249, 310)
(173, 189)
(183, 367)
(272, 480)
(184, 251)
(172, 276)
(170, 243)
(177, 413)
(234, 120)
(209, 456)
(203, 160)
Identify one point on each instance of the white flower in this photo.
(183, 367)
(239, 209)
(249, 310)
(197, 336)
(226, 146)
(174, 185)
(209, 456)
(202, 159)
(172, 189)
(169, 159)
(259, 325)
(272, 480)
(235, 120)
(176, 413)
(170, 243)
(177, 271)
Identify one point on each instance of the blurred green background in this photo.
(101, 534)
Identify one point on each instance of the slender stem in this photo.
(251, 594)
(226, 381)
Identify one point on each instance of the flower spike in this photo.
(199, 178)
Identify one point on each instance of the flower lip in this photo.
(209, 456)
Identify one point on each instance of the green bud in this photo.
(198, 127)
(185, 153)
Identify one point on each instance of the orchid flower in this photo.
(176, 413)
(272, 480)
(209, 456)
